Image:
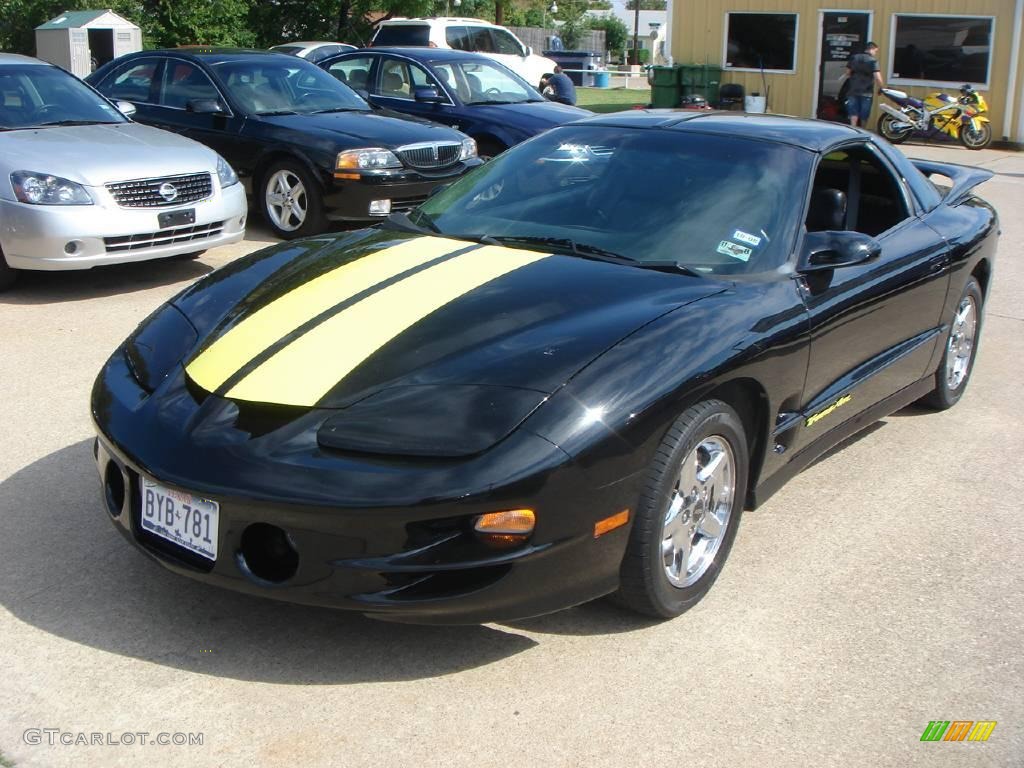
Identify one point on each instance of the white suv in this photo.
(474, 35)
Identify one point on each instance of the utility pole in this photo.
(636, 31)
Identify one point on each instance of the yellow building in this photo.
(794, 51)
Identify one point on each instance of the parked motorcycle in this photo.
(964, 118)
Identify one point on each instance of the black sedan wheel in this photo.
(961, 348)
(290, 201)
(686, 520)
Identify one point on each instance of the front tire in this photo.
(954, 371)
(291, 201)
(8, 275)
(886, 128)
(978, 139)
(687, 516)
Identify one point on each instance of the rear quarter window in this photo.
(402, 34)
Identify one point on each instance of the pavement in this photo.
(881, 589)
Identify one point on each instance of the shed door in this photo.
(80, 54)
(843, 33)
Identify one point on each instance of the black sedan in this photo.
(467, 91)
(565, 376)
(307, 147)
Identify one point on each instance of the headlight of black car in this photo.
(159, 343)
(437, 420)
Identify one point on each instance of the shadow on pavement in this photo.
(65, 570)
(48, 287)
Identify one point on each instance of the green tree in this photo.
(616, 33)
(647, 5)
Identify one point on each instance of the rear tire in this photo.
(688, 513)
(978, 139)
(893, 136)
(8, 275)
(954, 371)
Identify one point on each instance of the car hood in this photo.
(387, 129)
(329, 322)
(95, 155)
(532, 114)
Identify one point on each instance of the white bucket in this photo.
(756, 104)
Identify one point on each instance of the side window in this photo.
(854, 189)
(132, 82)
(321, 53)
(353, 72)
(505, 43)
(394, 80)
(420, 77)
(457, 38)
(480, 40)
(185, 82)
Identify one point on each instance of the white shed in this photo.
(80, 41)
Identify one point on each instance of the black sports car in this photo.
(562, 377)
(308, 147)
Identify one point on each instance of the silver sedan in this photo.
(81, 185)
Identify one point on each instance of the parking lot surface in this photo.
(881, 589)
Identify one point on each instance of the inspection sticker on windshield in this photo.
(735, 250)
(743, 237)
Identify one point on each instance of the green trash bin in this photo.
(665, 86)
(701, 80)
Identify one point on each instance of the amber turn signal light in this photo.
(505, 529)
(619, 519)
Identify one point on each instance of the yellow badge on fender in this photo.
(812, 420)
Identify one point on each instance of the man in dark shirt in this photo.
(559, 87)
(863, 73)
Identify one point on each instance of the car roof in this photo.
(424, 53)
(433, 19)
(816, 135)
(212, 55)
(305, 44)
(17, 58)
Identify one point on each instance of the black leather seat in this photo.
(827, 211)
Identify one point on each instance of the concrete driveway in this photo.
(883, 588)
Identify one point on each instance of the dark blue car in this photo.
(467, 91)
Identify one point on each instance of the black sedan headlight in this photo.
(159, 343)
(436, 420)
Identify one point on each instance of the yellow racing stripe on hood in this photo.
(303, 372)
(268, 325)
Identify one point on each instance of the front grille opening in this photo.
(171, 236)
(267, 553)
(154, 193)
(430, 155)
(113, 489)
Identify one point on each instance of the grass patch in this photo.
(612, 99)
(5, 762)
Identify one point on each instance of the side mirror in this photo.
(528, 52)
(427, 94)
(832, 250)
(126, 108)
(205, 107)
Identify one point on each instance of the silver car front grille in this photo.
(171, 236)
(430, 154)
(162, 191)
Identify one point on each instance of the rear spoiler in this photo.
(965, 177)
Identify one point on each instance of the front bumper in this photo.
(38, 236)
(391, 540)
(349, 199)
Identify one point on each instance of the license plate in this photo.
(189, 521)
(176, 218)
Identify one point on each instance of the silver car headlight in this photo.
(43, 189)
(366, 160)
(225, 173)
(468, 149)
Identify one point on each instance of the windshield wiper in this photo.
(336, 109)
(72, 122)
(594, 252)
(508, 101)
(276, 112)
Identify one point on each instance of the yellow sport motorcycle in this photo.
(964, 118)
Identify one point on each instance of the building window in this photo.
(941, 49)
(761, 41)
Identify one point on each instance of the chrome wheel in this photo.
(698, 511)
(286, 199)
(960, 348)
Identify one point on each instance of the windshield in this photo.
(714, 204)
(273, 85)
(34, 96)
(484, 82)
